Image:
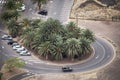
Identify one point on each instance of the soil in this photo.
(93, 10)
(65, 61)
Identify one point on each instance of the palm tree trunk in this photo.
(39, 6)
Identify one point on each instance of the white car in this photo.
(22, 8)
(15, 44)
(2, 1)
(25, 53)
(18, 50)
(6, 37)
(16, 47)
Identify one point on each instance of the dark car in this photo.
(10, 42)
(43, 12)
(67, 69)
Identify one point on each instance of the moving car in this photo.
(67, 69)
(6, 37)
(43, 12)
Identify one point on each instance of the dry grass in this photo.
(7, 74)
(93, 11)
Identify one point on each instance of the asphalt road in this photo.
(104, 52)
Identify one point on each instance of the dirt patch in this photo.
(7, 74)
(110, 31)
(77, 76)
(92, 10)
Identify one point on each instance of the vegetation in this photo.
(52, 40)
(39, 2)
(49, 39)
(1, 74)
(13, 63)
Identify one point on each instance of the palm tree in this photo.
(9, 14)
(85, 46)
(28, 35)
(49, 28)
(73, 30)
(45, 49)
(73, 48)
(88, 34)
(26, 22)
(14, 28)
(10, 5)
(71, 26)
(58, 51)
(39, 2)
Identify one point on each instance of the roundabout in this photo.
(104, 54)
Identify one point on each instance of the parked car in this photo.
(16, 47)
(10, 42)
(43, 12)
(6, 37)
(22, 8)
(15, 44)
(67, 69)
(25, 53)
(18, 50)
(2, 1)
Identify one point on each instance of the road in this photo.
(104, 52)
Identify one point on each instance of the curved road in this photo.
(104, 52)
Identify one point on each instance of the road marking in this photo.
(54, 13)
(38, 62)
(3, 47)
(97, 57)
(108, 56)
(28, 63)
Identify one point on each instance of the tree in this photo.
(49, 28)
(45, 49)
(7, 15)
(28, 33)
(86, 33)
(12, 4)
(58, 51)
(73, 30)
(85, 46)
(73, 48)
(39, 2)
(26, 22)
(14, 28)
(12, 63)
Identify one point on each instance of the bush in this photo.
(1, 74)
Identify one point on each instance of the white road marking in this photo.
(38, 62)
(3, 47)
(54, 13)
(97, 57)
